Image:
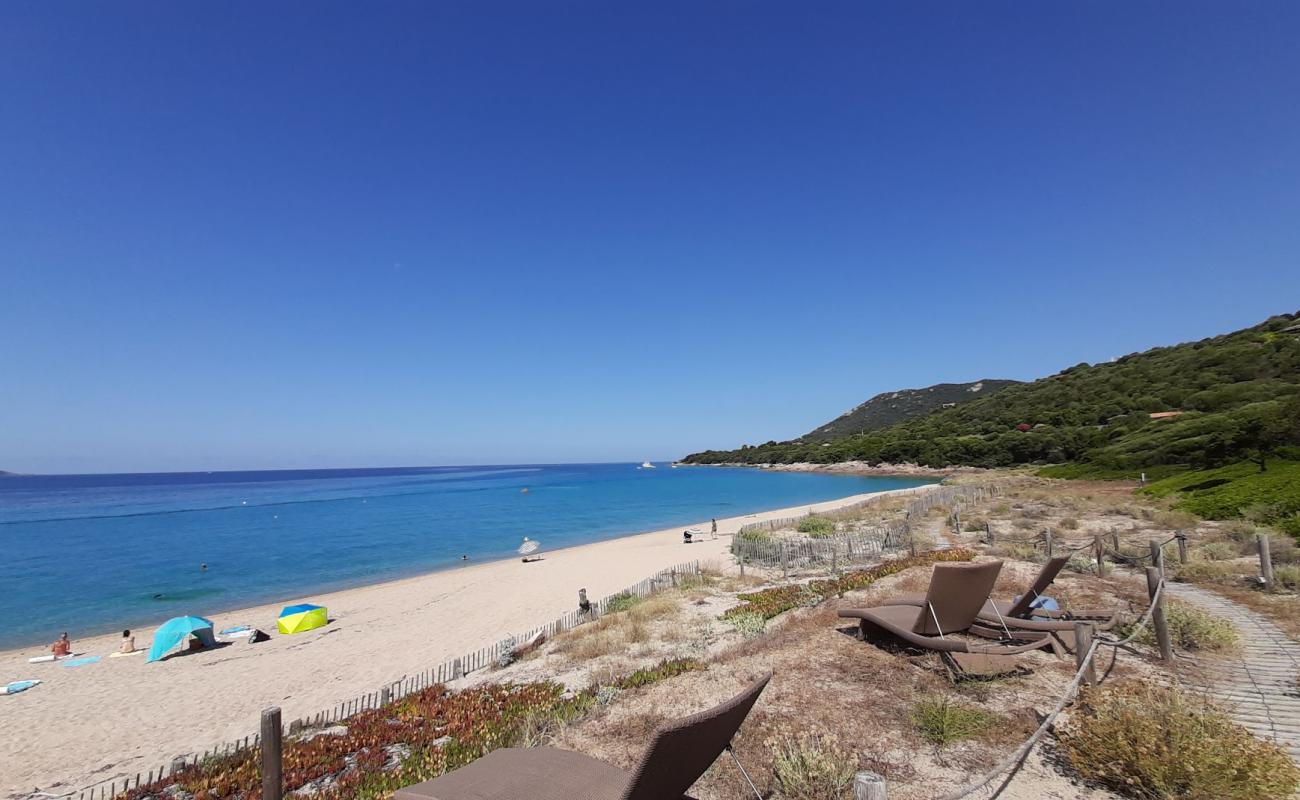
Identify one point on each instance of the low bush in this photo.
(622, 601)
(1190, 628)
(1206, 572)
(748, 624)
(1216, 551)
(1069, 524)
(1019, 552)
(816, 527)
(664, 670)
(812, 767)
(1149, 741)
(1082, 564)
(1287, 577)
(941, 721)
(755, 535)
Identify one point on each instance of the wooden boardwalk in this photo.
(1258, 685)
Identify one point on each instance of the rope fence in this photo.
(1071, 691)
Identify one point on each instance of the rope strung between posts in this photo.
(1023, 750)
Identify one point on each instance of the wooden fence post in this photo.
(1182, 547)
(741, 557)
(784, 566)
(1158, 622)
(1100, 548)
(1157, 556)
(988, 531)
(870, 786)
(385, 696)
(1047, 534)
(1082, 644)
(272, 757)
(457, 670)
(1265, 560)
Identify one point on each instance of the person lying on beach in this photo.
(62, 647)
(128, 642)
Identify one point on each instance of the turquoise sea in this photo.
(93, 553)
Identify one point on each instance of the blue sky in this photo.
(333, 234)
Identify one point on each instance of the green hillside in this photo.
(1237, 397)
(890, 408)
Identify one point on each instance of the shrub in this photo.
(1019, 551)
(1190, 628)
(941, 721)
(974, 524)
(1205, 572)
(1175, 520)
(664, 670)
(812, 767)
(1287, 577)
(621, 602)
(1216, 551)
(1070, 524)
(748, 624)
(755, 535)
(1281, 549)
(507, 648)
(1151, 741)
(1084, 565)
(816, 527)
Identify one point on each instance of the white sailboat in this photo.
(647, 465)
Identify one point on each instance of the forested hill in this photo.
(890, 408)
(1197, 404)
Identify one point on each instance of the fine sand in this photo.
(104, 721)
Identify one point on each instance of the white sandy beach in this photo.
(122, 716)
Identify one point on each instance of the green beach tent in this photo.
(302, 617)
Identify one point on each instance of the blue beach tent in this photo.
(175, 630)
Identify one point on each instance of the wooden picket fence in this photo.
(850, 546)
(446, 672)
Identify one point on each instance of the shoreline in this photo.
(146, 714)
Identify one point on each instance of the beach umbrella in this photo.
(302, 617)
(529, 546)
(175, 630)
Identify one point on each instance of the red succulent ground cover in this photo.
(382, 749)
(779, 599)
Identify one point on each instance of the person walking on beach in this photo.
(62, 647)
(128, 642)
(715, 528)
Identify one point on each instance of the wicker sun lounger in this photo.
(677, 756)
(1020, 613)
(951, 606)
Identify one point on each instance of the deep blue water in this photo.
(93, 553)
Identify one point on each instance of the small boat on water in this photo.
(647, 465)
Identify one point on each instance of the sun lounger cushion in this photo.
(534, 773)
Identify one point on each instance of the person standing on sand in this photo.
(715, 527)
(62, 646)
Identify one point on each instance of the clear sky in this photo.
(250, 235)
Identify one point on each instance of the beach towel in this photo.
(17, 686)
(120, 654)
(44, 659)
(238, 630)
(77, 662)
(1046, 604)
